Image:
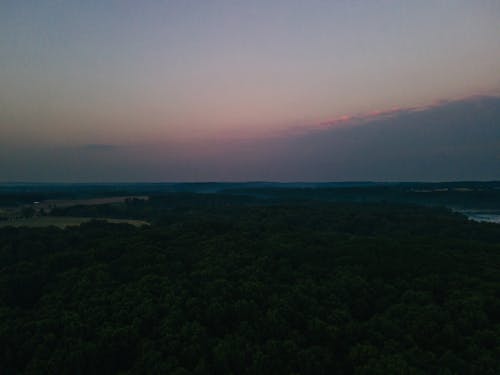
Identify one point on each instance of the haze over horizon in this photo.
(239, 91)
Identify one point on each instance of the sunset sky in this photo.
(249, 90)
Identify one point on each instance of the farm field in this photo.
(63, 222)
(52, 203)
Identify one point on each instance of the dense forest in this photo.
(223, 284)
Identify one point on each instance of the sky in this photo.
(316, 90)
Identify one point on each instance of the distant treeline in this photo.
(477, 195)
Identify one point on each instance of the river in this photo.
(482, 215)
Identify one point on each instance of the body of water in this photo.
(483, 216)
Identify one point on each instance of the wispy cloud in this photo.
(452, 140)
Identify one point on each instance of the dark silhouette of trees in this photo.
(231, 287)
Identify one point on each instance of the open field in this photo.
(9, 212)
(48, 204)
(62, 222)
(15, 211)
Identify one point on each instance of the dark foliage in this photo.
(235, 288)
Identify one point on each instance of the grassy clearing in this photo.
(48, 204)
(63, 222)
